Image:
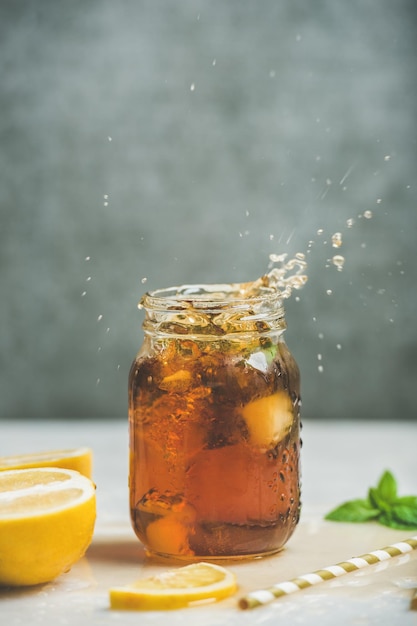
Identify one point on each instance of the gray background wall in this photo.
(149, 143)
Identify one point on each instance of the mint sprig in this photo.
(382, 505)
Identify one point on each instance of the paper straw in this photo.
(413, 603)
(265, 596)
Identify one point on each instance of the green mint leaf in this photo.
(382, 505)
(407, 500)
(270, 353)
(405, 514)
(377, 501)
(388, 520)
(353, 511)
(387, 487)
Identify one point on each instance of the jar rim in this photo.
(210, 296)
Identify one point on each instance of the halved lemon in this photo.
(78, 459)
(47, 518)
(175, 589)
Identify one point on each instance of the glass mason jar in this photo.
(214, 425)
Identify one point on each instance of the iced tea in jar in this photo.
(214, 423)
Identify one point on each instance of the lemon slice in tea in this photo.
(269, 419)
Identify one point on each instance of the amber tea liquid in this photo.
(214, 425)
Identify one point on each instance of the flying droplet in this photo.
(367, 214)
(350, 222)
(192, 87)
(144, 279)
(337, 240)
(338, 261)
(100, 317)
(329, 292)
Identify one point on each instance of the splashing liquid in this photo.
(338, 260)
(337, 240)
(283, 277)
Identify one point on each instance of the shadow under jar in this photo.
(214, 425)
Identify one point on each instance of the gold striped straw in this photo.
(265, 596)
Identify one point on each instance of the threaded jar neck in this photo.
(213, 310)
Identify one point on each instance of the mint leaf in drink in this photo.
(382, 505)
(353, 511)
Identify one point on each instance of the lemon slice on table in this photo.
(78, 459)
(47, 518)
(176, 588)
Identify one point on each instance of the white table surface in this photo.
(339, 461)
